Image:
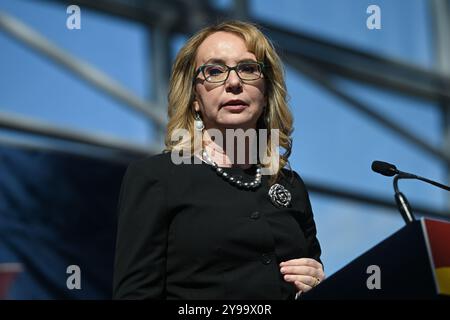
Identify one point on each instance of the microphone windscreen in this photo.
(384, 168)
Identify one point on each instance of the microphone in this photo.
(388, 169)
(384, 168)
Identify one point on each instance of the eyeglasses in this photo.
(216, 73)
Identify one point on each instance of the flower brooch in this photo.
(279, 195)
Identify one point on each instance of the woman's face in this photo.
(234, 103)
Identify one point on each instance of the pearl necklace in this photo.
(236, 181)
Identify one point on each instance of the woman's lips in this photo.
(235, 107)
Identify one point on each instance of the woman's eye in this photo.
(248, 68)
(214, 71)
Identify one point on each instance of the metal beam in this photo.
(359, 197)
(25, 125)
(65, 148)
(241, 9)
(342, 60)
(440, 10)
(160, 68)
(362, 107)
(83, 70)
(361, 66)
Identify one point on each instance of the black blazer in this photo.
(186, 233)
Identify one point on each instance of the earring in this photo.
(198, 123)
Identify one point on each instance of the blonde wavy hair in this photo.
(276, 114)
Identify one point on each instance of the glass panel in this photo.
(334, 144)
(346, 229)
(35, 87)
(405, 26)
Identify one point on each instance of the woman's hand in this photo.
(305, 273)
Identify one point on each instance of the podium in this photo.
(413, 263)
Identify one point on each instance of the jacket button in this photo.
(266, 258)
(255, 215)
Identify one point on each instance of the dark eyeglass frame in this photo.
(201, 69)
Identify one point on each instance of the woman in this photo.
(214, 227)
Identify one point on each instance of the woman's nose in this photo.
(233, 82)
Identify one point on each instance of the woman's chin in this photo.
(237, 125)
(236, 121)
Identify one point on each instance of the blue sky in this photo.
(332, 144)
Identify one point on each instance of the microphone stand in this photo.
(388, 169)
(401, 200)
(434, 183)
